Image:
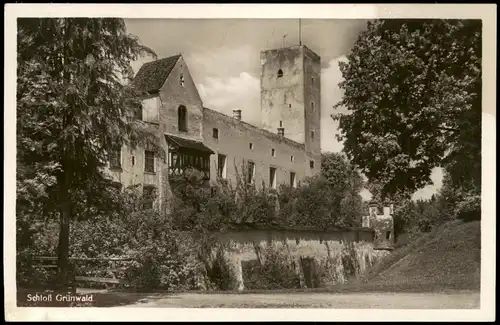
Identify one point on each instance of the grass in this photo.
(446, 258)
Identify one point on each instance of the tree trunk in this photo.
(65, 217)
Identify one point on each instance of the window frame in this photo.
(222, 173)
(151, 196)
(146, 165)
(251, 176)
(112, 158)
(272, 177)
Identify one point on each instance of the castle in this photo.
(285, 150)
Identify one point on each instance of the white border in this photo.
(486, 12)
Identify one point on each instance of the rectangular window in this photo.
(272, 177)
(149, 161)
(292, 179)
(292, 158)
(221, 166)
(133, 160)
(312, 135)
(250, 172)
(251, 146)
(148, 196)
(311, 163)
(115, 158)
(215, 133)
(273, 152)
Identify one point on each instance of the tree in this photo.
(346, 183)
(73, 107)
(412, 90)
(329, 199)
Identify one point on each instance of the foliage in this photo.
(329, 199)
(198, 206)
(219, 272)
(73, 107)
(413, 94)
(274, 271)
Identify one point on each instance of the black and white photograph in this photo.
(251, 163)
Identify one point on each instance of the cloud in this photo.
(330, 95)
(225, 95)
(429, 190)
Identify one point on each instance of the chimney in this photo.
(281, 131)
(237, 114)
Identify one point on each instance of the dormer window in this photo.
(280, 73)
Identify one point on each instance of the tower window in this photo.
(181, 116)
(273, 152)
(289, 105)
(312, 107)
(250, 146)
(311, 163)
(312, 135)
(215, 133)
(133, 160)
(312, 80)
(281, 124)
(280, 73)
(292, 158)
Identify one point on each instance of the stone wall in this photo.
(324, 249)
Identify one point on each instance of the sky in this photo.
(223, 58)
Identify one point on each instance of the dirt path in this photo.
(458, 300)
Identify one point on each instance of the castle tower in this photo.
(291, 94)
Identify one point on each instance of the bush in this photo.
(469, 209)
(275, 271)
(219, 271)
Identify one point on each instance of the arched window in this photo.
(182, 119)
(280, 73)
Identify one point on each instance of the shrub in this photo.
(350, 261)
(469, 209)
(219, 271)
(275, 271)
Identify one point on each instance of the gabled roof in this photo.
(152, 75)
(187, 144)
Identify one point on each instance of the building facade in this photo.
(285, 150)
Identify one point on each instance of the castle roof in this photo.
(152, 75)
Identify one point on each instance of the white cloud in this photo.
(330, 95)
(225, 95)
(437, 183)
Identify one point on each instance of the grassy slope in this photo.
(446, 258)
